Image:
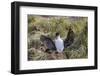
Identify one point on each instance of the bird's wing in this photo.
(48, 42)
(69, 39)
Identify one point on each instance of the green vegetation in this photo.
(49, 25)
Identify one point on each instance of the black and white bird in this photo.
(58, 44)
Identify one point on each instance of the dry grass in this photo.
(40, 25)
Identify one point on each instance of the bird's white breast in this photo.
(59, 44)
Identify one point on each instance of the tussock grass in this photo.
(49, 25)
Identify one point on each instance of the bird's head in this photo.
(57, 35)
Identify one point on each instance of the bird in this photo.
(58, 44)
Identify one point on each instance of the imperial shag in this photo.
(58, 44)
